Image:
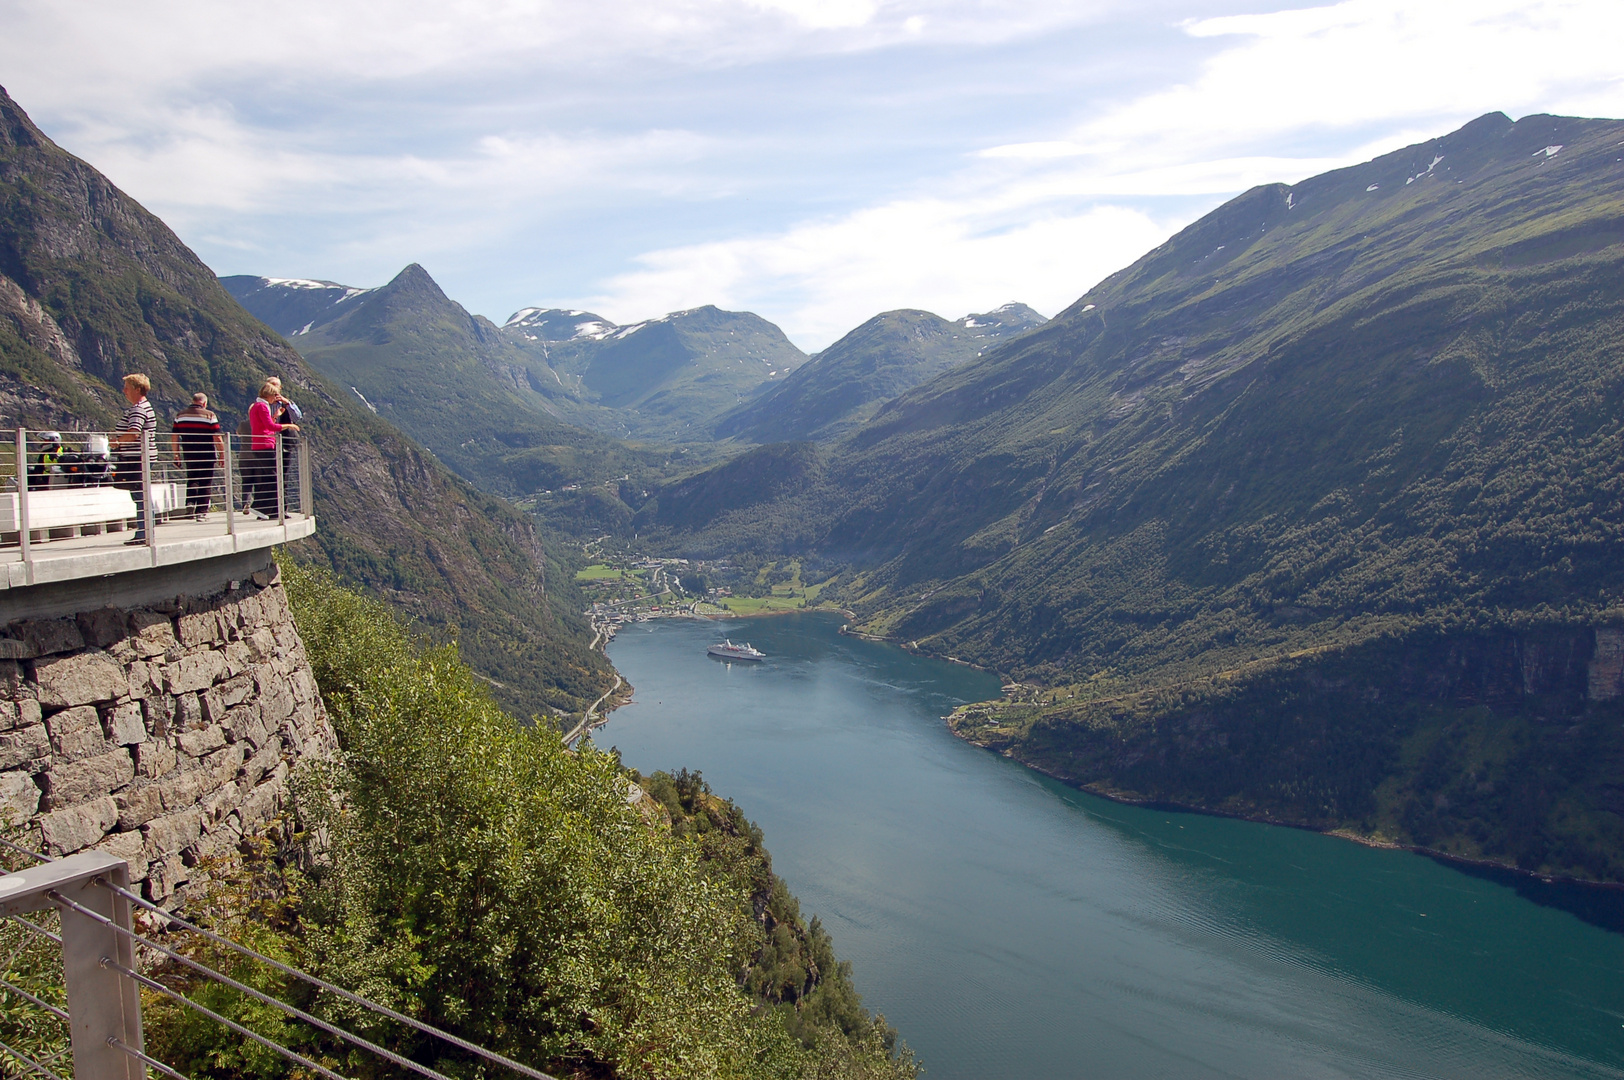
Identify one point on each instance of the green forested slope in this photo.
(668, 378)
(448, 379)
(93, 286)
(486, 880)
(1380, 405)
(843, 385)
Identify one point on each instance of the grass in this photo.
(601, 572)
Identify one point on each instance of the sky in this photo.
(813, 161)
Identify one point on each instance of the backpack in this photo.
(245, 428)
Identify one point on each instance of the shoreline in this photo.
(1340, 834)
(1097, 791)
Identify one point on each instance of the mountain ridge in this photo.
(661, 379)
(843, 385)
(1378, 405)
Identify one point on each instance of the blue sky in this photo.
(814, 161)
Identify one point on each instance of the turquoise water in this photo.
(1012, 927)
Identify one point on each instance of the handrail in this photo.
(24, 534)
(67, 488)
(263, 998)
(322, 984)
(105, 927)
(175, 995)
(29, 1063)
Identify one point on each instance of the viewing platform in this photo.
(176, 542)
(75, 512)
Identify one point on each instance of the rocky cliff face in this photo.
(160, 734)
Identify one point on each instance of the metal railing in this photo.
(67, 485)
(90, 896)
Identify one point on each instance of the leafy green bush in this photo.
(477, 875)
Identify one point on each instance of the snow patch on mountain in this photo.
(300, 283)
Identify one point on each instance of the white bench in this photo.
(168, 495)
(65, 510)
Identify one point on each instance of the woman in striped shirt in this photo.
(132, 445)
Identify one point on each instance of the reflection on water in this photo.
(1010, 926)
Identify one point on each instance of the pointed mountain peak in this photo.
(16, 129)
(415, 279)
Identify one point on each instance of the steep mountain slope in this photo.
(844, 385)
(667, 378)
(93, 286)
(1332, 475)
(290, 306)
(449, 379)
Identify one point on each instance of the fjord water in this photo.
(1009, 926)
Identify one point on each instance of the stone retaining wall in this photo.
(160, 733)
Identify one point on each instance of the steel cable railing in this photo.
(29, 1063)
(321, 984)
(24, 852)
(148, 1061)
(120, 895)
(65, 485)
(175, 995)
(31, 999)
(263, 998)
(38, 929)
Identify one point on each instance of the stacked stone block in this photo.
(160, 734)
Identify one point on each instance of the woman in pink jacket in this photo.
(259, 459)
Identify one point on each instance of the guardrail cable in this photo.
(263, 998)
(36, 856)
(382, 1010)
(175, 995)
(46, 1005)
(38, 929)
(321, 984)
(150, 1062)
(30, 1063)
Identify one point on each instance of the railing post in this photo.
(149, 519)
(22, 501)
(103, 1005)
(306, 500)
(231, 499)
(281, 494)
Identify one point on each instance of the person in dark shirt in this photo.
(133, 446)
(197, 444)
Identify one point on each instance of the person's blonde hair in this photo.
(270, 385)
(141, 381)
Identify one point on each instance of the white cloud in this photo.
(175, 44)
(1020, 224)
(820, 279)
(215, 113)
(822, 14)
(1365, 62)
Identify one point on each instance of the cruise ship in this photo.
(729, 651)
